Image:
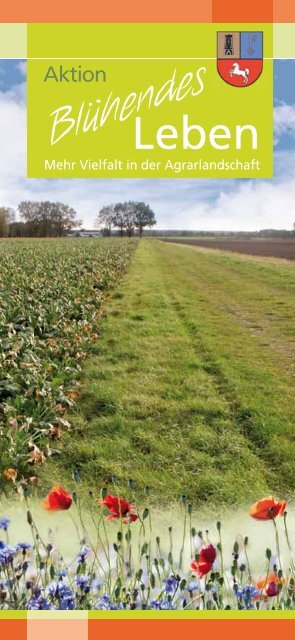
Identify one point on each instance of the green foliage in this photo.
(52, 294)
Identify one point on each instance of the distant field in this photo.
(275, 248)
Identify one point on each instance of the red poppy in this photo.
(119, 508)
(208, 554)
(268, 585)
(201, 568)
(57, 500)
(206, 560)
(268, 509)
(272, 590)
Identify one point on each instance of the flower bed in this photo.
(126, 566)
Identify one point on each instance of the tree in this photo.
(48, 219)
(119, 220)
(6, 215)
(144, 217)
(105, 219)
(125, 216)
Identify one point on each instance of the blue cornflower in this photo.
(83, 553)
(247, 592)
(4, 523)
(39, 604)
(193, 585)
(95, 584)
(6, 554)
(170, 585)
(105, 603)
(82, 582)
(67, 602)
(162, 605)
(58, 589)
(23, 546)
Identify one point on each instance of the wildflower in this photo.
(39, 604)
(7, 554)
(24, 547)
(170, 585)
(268, 509)
(119, 508)
(105, 603)
(82, 582)
(208, 554)
(272, 589)
(162, 605)
(4, 523)
(268, 583)
(201, 568)
(57, 500)
(193, 585)
(247, 592)
(206, 560)
(83, 553)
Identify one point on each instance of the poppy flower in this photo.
(201, 568)
(119, 508)
(268, 585)
(268, 509)
(206, 560)
(208, 554)
(272, 589)
(57, 500)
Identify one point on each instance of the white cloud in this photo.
(251, 206)
(284, 120)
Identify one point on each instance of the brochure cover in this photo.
(147, 338)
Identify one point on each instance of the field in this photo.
(180, 377)
(51, 306)
(191, 387)
(275, 248)
(149, 388)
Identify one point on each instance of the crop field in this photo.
(51, 305)
(179, 375)
(275, 248)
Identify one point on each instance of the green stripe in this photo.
(192, 615)
(13, 41)
(13, 615)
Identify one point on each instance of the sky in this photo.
(195, 204)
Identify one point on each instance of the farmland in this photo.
(52, 294)
(191, 387)
(178, 376)
(275, 248)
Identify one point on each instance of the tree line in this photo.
(55, 219)
(126, 217)
(38, 219)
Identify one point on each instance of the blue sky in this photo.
(180, 203)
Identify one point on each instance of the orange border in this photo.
(242, 11)
(99, 11)
(13, 629)
(151, 11)
(175, 629)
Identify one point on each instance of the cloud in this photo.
(284, 121)
(179, 203)
(252, 206)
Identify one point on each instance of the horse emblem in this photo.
(240, 57)
(237, 71)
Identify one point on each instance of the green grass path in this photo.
(191, 388)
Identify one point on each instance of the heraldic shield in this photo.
(240, 56)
